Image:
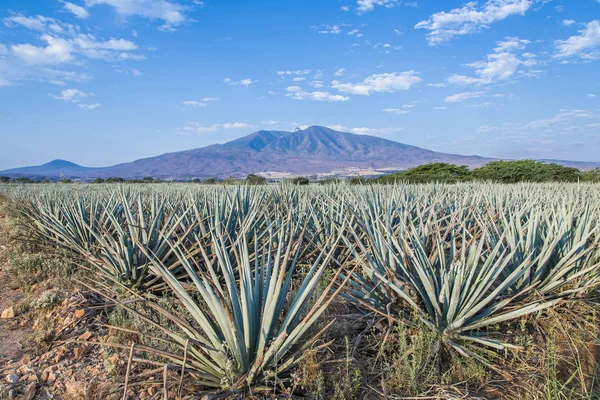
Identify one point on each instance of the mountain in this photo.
(312, 151)
(54, 169)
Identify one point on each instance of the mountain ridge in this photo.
(315, 150)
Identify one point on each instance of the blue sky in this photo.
(100, 82)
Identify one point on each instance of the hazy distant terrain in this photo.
(313, 151)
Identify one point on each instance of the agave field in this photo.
(255, 270)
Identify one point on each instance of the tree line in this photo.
(495, 171)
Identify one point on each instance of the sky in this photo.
(99, 82)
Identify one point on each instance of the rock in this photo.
(75, 390)
(8, 313)
(82, 351)
(30, 391)
(85, 336)
(51, 377)
(12, 378)
(114, 359)
(79, 313)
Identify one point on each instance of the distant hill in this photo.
(312, 151)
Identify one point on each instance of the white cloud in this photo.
(76, 10)
(387, 82)
(269, 122)
(299, 79)
(397, 111)
(355, 32)
(369, 5)
(244, 82)
(191, 128)
(296, 92)
(501, 65)
(345, 8)
(64, 42)
(559, 118)
(61, 50)
(330, 30)
(375, 131)
(41, 24)
(591, 96)
(510, 44)
(196, 128)
(194, 104)
(471, 18)
(364, 130)
(340, 72)
(296, 72)
(127, 70)
(206, 99)
(236, 125)
(460, 97)
(171, 13)
(580, 45)
(89, 106)
(72, 95)
(568, 22)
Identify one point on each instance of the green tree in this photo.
(357, 180)
(98, 180)
(592, 175)
(4, 179)
(526, 171)
(300, 180)
(253, 179)
(210, 181)
(434, 172)
(24, 180)
(115, 179)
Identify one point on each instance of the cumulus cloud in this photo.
(236, 125)
(568, 22)
(329, 29)
(64, 43)
(196, 128)
(89, 106)
(244, 82)
(297, 93)
(57, 51)
(500, 65)
(71, 95)
(369, 5)
(403, 110)
(194, 104)
(559, 119)
(387, 82)
(340, 72)
(364, 130)
(170, 12)
(375, 131)
(296, 72)
(471, 18)
(460, 97)
(583, 45)
(355, 32)
(397, 111)
(76, 10)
